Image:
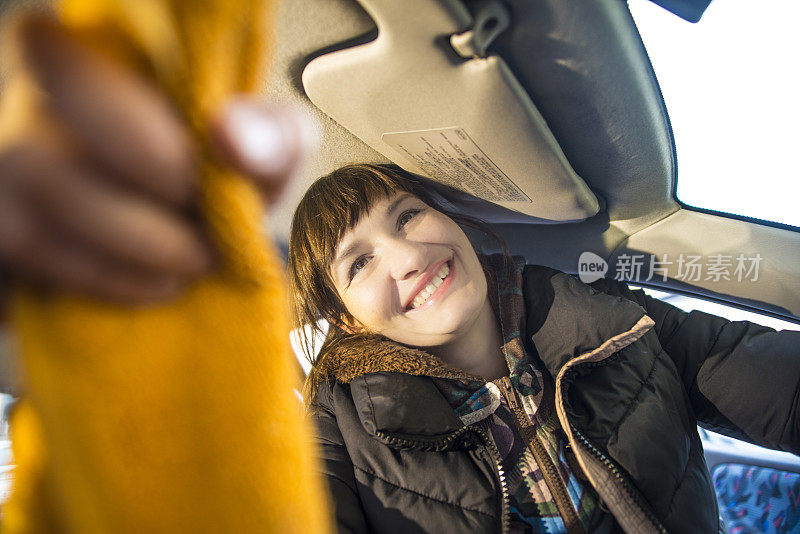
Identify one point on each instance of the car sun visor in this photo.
(466, 122)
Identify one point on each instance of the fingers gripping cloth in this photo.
(180, 417)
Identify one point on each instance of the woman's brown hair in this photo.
(332, 206)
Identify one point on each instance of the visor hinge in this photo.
(491, 18)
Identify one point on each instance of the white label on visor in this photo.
(450, 156)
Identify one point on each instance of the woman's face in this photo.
(408, 272)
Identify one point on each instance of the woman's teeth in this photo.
(431, 287)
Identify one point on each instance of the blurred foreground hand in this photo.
(103, 200)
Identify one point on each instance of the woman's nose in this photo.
(407, 259)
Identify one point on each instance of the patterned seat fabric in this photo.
(757, 499)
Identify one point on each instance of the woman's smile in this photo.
(434, 287)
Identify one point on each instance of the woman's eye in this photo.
(362, 261)
(406, 216)
(357, 265)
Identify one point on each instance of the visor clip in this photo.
(490, 19)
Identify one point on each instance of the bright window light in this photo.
(733, 95)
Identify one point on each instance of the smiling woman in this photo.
(388, 283)
(367, 241)
(467, 393)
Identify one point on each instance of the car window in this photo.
(730, 87)
(687, 303)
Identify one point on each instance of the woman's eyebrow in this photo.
(393, 206)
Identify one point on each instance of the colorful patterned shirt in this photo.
(533, 508)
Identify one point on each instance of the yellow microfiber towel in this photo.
(180, 417)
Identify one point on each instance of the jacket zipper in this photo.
(442, 444)
(611, 466)
(505, 505)
(551, 476)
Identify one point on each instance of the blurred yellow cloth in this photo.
(177, 418)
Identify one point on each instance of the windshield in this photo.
(731, 91)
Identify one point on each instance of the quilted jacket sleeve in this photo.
(743, 379)
(338, 469)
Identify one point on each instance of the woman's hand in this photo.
(103, 199)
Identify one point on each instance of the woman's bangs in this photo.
(344, 197)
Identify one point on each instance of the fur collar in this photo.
(354, 356)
